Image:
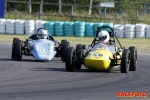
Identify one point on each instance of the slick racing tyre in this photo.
(125, 61)
(13, 48)
(133, 61)
(66, 45)
(79, 55)
(18, 50)
(70, 59)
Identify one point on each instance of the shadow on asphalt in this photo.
(23, 60)
(75, 71)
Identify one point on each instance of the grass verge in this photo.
(142, 44)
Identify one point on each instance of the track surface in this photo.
(32, 80)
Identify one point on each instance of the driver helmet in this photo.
(42, 34)
(103, 36)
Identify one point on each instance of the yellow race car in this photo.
(103, 57)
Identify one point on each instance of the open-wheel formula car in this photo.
(41, 49)
(103, 57)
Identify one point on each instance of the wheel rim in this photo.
(128, 61)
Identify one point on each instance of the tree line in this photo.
(24, 7)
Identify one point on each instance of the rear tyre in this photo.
(125, 61)
(70, 59)
(79, 55)
(66, 45)
(133, 61)
(62, 43)
(13, 48)
(18, 50)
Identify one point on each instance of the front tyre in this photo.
(133, 61)
(66, 45)
(13, 48)
(70, 59)
(79, 55)
(18, 50)
(125, 61)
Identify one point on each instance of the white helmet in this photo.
(103, 36)
(42, 33)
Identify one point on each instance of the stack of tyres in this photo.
(58, 26)
(108, 24)
(2, 26)
(19, 26)
(147, 34)
(119, 28)
(89, 29)
(97, 25)
(10, 26)
(49, 25)
(79, 28)
(29, 27)
(69, 28)
(140, 30)
(39, 24)
(129, 31)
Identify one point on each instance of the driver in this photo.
(104, 37)
(41, 33)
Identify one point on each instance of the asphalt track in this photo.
(32, 80)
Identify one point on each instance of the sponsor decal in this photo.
(44, 51)
(97, 55)
(131, 94)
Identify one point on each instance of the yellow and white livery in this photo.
(101, 56)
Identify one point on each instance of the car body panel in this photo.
(100, 58)
(42, 49)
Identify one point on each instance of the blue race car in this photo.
(41, 45)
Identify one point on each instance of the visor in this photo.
(42, 36)
(103, 38)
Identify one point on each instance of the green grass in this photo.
(83, 16)
(142, 44)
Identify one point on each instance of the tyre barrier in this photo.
(129, 31)
(58, 26)
(19, 26)
(10, 26)
(2, 26)
(147, 33)
(97, 25)
(69, 28)
(39, 24)
(49, 25)
(79, 28)
(140, 30)
(108, 24)
(119, 29)
(29, 27)
(89, 29)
